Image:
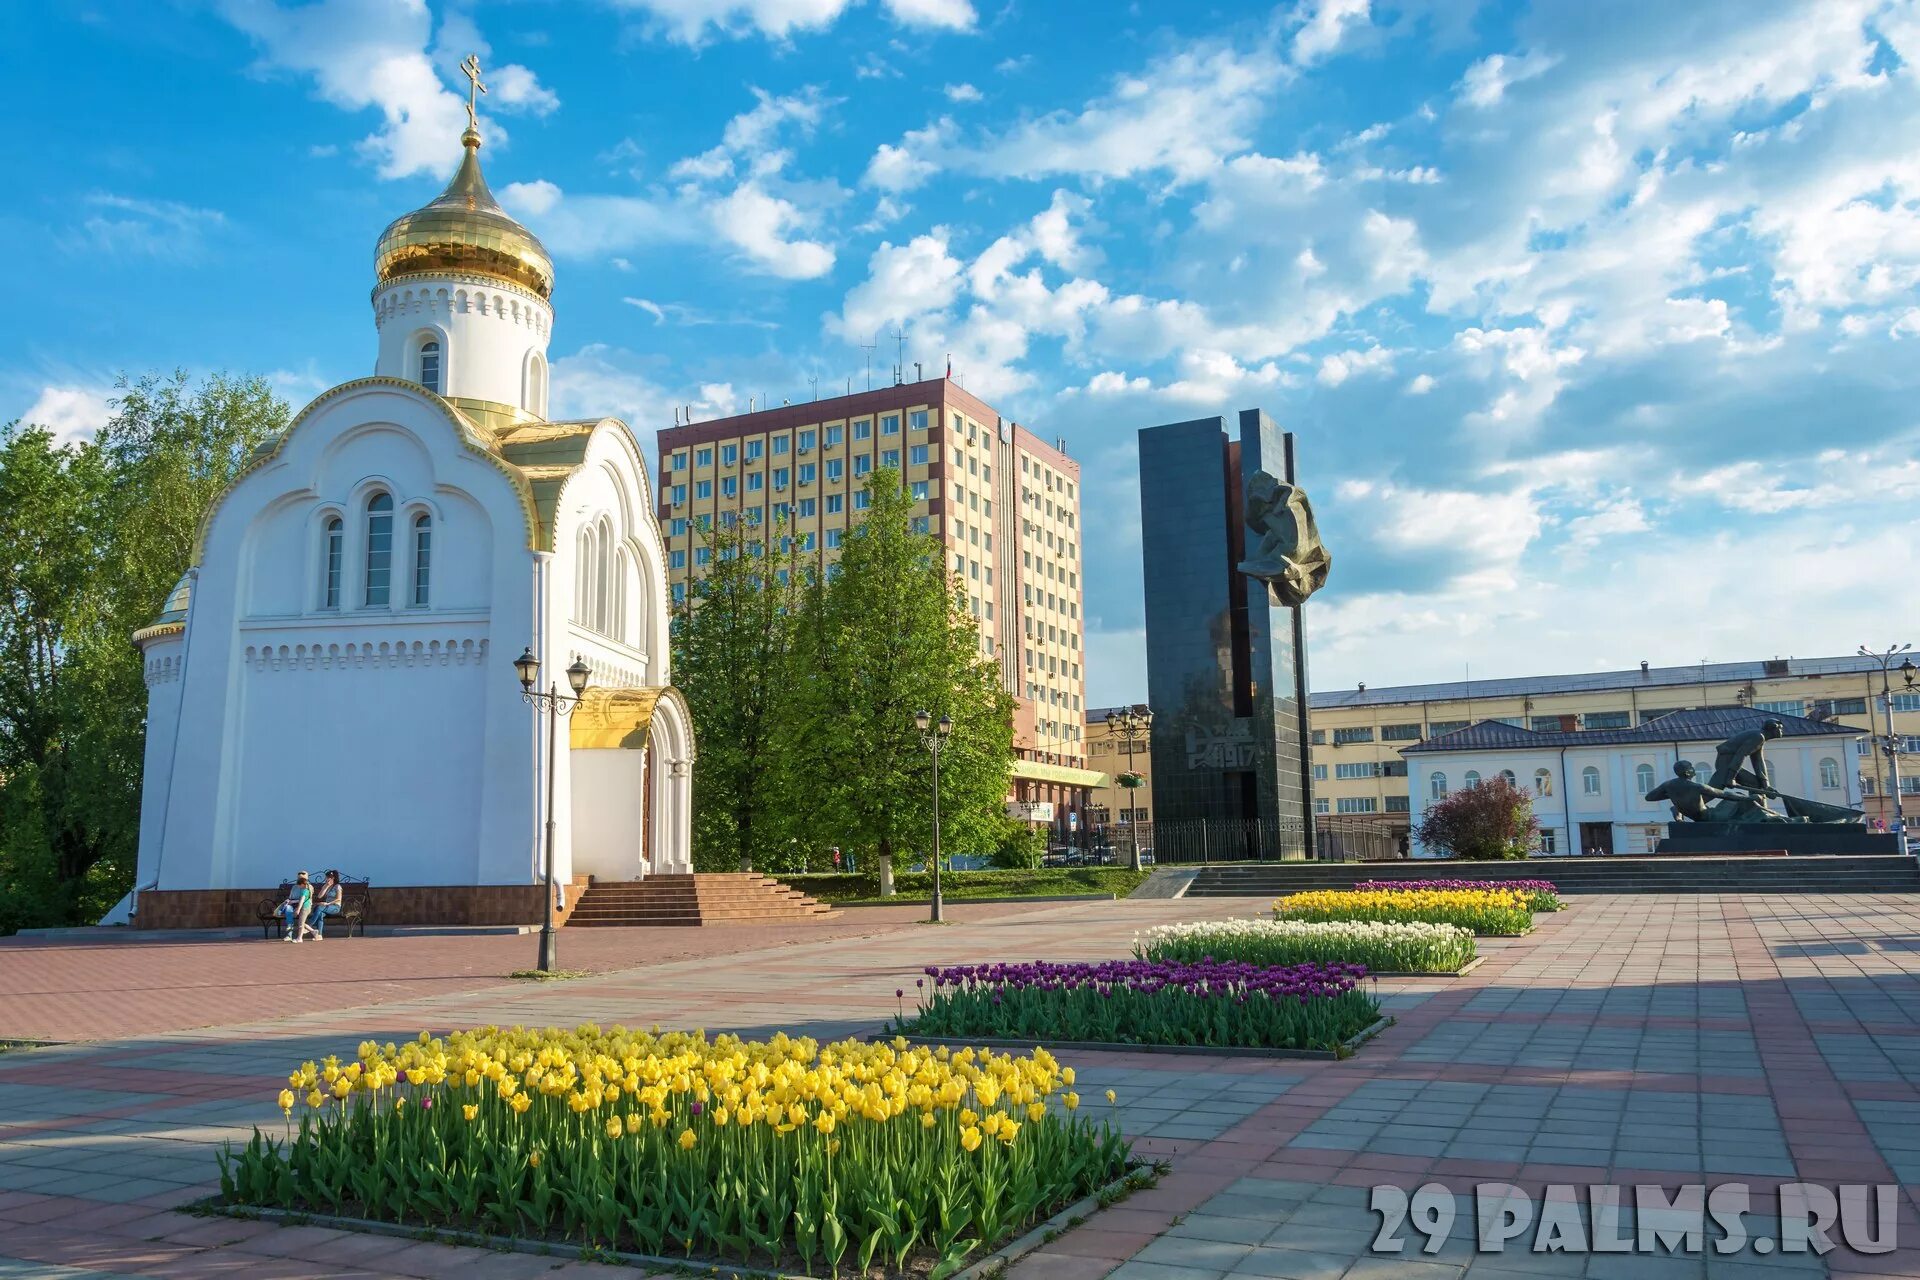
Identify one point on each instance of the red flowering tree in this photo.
(1490, 819)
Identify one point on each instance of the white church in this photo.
(332, 683)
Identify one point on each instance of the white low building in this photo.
(1589, 787)
(332, 684)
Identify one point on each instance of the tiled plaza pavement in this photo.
(1663, 1040)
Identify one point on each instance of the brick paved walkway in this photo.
(1631, 1040)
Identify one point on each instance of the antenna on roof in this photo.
(900, 342)
(917, 375)
(868, 348)
(815, 380)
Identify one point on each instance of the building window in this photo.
(1320, 804)
(1643, 778)
(807, 508)
(1829, 774)
(917, 420)
(422, 556)
(779, 478)
(1590, 781)
(836, 502)
(1544, 724)
(1400, 733)
(890, 425)
(677, 527)
(1363, 769)
(1906, 702)
(677, 559)
(703, 458)
(779, 445)
(1507, 775)
(806, 473)
(754, 449)
(890, 458)
(729, 454)
(1790, 707)
(804, 441)
(1608, 720)
(862, 465)
(334, 550)
(1358, 804)
(1439, 727)
(1542, 783)
(1473, 777)
(919, 490)
(862, 500)
(1319, 737)
(1342, 736)
(679, 495)
(833, 436)
(835, 469)
(1549, 843)
(1840, 707)
(729, 486)
(1398, 804)
(833, 538)
(680, 460)
(756, 482)
(863, 430)
(703, 489)
(1319, 773)
(1437, 786)
(379, 550)
(917, 456)
(430, 365)
(536, 384)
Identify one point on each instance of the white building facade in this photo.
(1589, 787)
(332, 683)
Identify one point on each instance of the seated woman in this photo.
(327, 901)
(294, 909)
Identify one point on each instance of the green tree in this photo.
(734, 641)
(1488, 820)
(92, 537)
(888, 634)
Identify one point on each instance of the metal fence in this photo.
(1231, 840)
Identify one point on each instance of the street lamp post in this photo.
(1131, 725)
(935, 735)
(555, 704)
(1908, 673)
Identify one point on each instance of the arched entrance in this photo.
(631, 763)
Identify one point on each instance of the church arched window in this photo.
(1437, 786)
(430, 365)
(333, 557)
(422, 557)
(1829, 774)
(1473, 777)
(603, 577)
(1643, 778)
(1506, 776)
(536, 384)
(1542, 782)
(583, 578)
(622, 568)
(379, 550)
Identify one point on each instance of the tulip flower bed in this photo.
(1217, 1004)
(1382, 946)
(1543, 894)
(1486, 911)
(784, 1153)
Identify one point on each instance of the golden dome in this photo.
(464, 229)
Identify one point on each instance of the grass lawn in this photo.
(959, 885)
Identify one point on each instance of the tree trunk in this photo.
(886, 869)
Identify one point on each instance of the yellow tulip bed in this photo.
(785, 1152)
(1485, 911)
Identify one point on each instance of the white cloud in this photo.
(903, 282)
(1486, 82)
(649, 306)
(693, 22)
(1324, 25)
(1420, 385)
(148, 228)
(1480, 538)
(603, 380)
(374, 54)
(910, 164)
(762, 227)
(73, 413)
(952, 15)
(594, 226)
(1616, 518)
(963, 93)
(1341, 365)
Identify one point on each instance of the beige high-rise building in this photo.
(1004, 502)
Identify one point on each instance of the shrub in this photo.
(1488, 820)
(779, 1153)
(1543, 894)
(1305, 1006)
(1382, 946)
(1492, 911)
(1021, 847)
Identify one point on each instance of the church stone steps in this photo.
(693, 900)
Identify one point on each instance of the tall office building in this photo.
(1005, 503)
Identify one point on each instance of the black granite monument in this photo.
(1231, 553)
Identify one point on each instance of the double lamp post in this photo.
(1891, 743)
(934, 734)
(1132, 726)
(555, 704)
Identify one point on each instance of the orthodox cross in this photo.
(472, 67)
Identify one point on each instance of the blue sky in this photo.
(1599, 323)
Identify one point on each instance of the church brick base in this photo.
(387, 905)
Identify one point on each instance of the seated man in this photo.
(294, 910)
(1704, 802)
